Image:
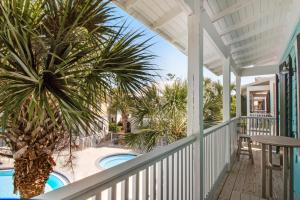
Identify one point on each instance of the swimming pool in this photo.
(116, 159)
(7, 188)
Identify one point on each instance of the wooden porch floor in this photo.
(243, 182)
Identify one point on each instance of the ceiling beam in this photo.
(231, 9)
(214, 35)
(179, 36)
(218, 71)
(246, 22)
(277, 11)
(261, 49)
(167, 17)
(261, 61)
(259, 70)
(146, 22)
(211, 58)
(255, 53)
(258, 43)
(254, 58)
(266, 29)
(214, 63)
(130, 3)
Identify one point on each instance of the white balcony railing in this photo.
(219, 147)
(258, 125)
(165, 173)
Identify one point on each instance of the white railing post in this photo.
(226, 90)
(195, 95)
(238, 96)
(226, 104)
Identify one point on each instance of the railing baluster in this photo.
(126, 183)
(167, 179)
(161, 180)
(185, 175)
(188, 172)
(177, 176)
(146, 183)
(154, 182)
(98, 196)
(181, 173)
(172, 177)
(137, 186)
(151, 175)
(214, 157)
(266, 126)
(210, 162)
(205, 163)
(192, 172)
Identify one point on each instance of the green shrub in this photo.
(112, 127)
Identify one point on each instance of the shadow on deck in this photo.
(243, 182)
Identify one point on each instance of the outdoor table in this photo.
(287, 144)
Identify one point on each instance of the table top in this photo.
(277, 140)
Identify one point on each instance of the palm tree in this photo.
(121, 101)
(59, 60)
(212, 102)
(161, 116)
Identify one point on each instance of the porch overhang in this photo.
(247, 32)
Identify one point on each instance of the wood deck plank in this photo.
(243, 181)
(235, 195)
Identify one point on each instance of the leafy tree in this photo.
(59, 60)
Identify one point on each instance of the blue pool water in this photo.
(113, 160)
(7, 188)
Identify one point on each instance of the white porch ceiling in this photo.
(255, 32)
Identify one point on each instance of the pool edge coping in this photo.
(113, 154)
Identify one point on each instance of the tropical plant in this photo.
(59, 60)
(121, 101)
(212, 103)
(161, 115)
(233, 101)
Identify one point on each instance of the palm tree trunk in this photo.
(31, 174)
(124, 121)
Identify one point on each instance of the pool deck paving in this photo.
(85, 162)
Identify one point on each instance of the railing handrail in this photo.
(115, 174)
(219, 126)
(255, 117)
(98, 182)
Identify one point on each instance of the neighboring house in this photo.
(101, 131)
(259, 97)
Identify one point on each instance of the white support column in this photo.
(226, 90)
(226, 108)
(195, 95)
(238, 96)
(248, 101)
(271, 98)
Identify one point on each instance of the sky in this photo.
(169, 59)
